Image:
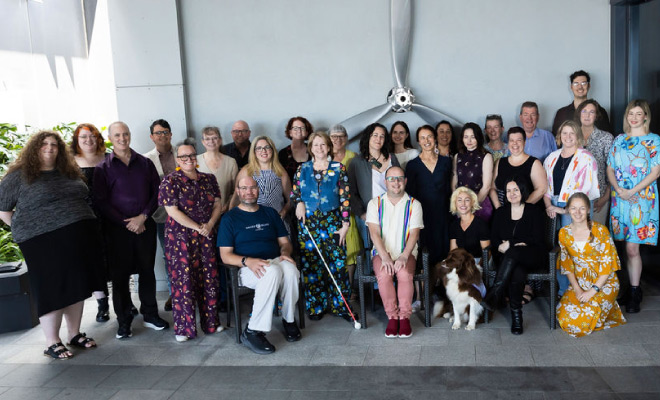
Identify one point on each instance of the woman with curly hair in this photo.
(42, 198)
(297, 130)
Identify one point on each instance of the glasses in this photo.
(186, 157)
(298, 129)
(163, 133)
(588, 112)
(395, 178)
(240, 131)
(86, 137)
(259, 149)
(583, 84)
(247, 188)
(337, 137)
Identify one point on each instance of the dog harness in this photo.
(406, 222)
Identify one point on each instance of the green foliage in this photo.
(9, 250)
(11, 143)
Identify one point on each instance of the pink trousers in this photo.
(404, 292)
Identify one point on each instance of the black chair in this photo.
(235, 291)
(365, 277)
(543, 274)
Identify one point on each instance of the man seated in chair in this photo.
(394, 222)
(254, 238)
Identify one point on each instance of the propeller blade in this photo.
(401, 19)
(432, 116)
(355, 124)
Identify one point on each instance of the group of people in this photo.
(83, 216)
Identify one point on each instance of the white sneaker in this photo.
(181, 338)
(416, 306)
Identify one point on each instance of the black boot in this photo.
(494, 296)
(516, 321)
(634, 299)
(103, 315)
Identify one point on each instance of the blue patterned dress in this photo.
(326, 198)
(632, 158)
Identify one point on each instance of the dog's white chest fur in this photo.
(460, 301)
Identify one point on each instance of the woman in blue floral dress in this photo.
(321, 194)
(633, 166)
(192, 201)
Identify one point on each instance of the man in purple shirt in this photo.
(539, 142)
(126, 193)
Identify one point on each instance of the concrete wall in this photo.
(267, 61)
(52, 68)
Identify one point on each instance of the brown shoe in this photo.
(392, 329)
(405, 331)
(168, 304)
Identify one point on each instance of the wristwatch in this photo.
(243, 261)
(596, 288)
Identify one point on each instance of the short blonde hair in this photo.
(473, 197)
(576, 128)
(323, 136)
(644, 105)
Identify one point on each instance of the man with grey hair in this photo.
(125, 191)
(539, 142)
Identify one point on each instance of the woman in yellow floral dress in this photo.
(589, 259)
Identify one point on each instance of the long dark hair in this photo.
(366, 135)
(407, 144)
(453, 148)
(478, 134)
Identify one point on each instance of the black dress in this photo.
(432, 189)
(470, 239)
(506, 171)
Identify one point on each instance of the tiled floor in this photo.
(335, 360)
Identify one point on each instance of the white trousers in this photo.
(282, 277)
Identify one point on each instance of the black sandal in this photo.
(81, 340)
(58, 351)
(529, 295)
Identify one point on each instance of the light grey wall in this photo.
(267, 61)
(51, 69)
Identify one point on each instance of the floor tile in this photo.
(618, 354)
(85, 394)
(339, 355)
(126, 377)
(393, 355)
(486, 336)
(235, 378)
(638, 379)
(560, 356)
(142, 394)
(510, 355)
(507, 379)
(81, 376)
(32, 375)
(234, 394)
(136, 355)
(29, 393)
(174, 378)
(183, 354)
(452, 355)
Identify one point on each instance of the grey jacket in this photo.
(359, 182)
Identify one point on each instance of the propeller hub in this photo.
(401, 99)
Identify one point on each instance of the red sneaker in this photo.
(405, 331)
(392, 329)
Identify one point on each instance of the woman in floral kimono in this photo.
(589, 259)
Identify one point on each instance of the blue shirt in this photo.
(252, 234)
(540, 144)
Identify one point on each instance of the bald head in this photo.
(248, 191)
(395, 182)
(119, 124)
(240, 133)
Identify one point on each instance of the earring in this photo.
(196, 165)
(178, 168)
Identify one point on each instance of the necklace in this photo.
(564, 162)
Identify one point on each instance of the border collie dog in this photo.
(461, 277)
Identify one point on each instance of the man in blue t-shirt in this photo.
(255, 238)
